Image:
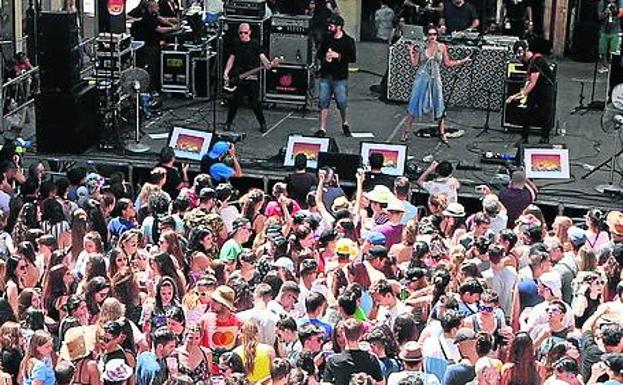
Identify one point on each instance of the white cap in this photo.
(284, 262)
(552, 281)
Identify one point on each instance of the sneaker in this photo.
(263, 128)
(603, 70)
(320, 133)
(346, 130)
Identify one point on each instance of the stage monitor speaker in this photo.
(345, 165)
(67, 122)
(111, 16)
(295, 49)
(59, 54)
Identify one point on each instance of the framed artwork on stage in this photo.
(189, 143)
(546, 163)
(394, 155)
(310, 146)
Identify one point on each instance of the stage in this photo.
(588, 145)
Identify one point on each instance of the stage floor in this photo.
(588, 145)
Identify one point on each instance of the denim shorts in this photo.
(329, 87)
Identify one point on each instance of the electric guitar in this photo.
(232, 84)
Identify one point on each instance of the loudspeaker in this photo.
(295, 49)
(111, 16)
(67, 122)
(585, 41)
(59, 54)
(345, 165)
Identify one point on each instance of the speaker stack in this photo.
(66, 107)
(290, 82)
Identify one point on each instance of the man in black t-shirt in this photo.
(149, 29)
(537, 93)
(334, 53)
(246, 55)
(300, 183)
(514, 14)
(458, 16)
(341, 366)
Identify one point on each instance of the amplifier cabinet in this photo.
(288, 84)
(295, 49)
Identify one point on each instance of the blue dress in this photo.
(41, 371)
(427, 93)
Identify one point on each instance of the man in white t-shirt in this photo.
(445, 183)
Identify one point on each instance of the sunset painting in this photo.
(310, 146)
(546, 163)
(394, 156)
(189, 143)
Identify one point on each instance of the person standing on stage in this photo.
(246, 55)
(150, 30)
(427, 91)
(458, 15)
(537, 94)
(335, 52)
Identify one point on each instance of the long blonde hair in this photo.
(38, 339)
(248, 341)
(111, 310)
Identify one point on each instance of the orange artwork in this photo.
(189, 143)
(390, 157)
(546, 162)
(310, 150)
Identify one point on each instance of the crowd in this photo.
(188, 281)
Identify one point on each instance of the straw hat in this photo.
(224, 295)
(380, 194)
(77, 344)
(615, 222)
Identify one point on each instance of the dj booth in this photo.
(465, 86)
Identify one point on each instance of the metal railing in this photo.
(18, 93)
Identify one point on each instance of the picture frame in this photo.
(308, 145)
(189, 143)
(395, 156)
(546, 163)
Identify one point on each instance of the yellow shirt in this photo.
(261, 368)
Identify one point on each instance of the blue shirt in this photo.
(328, 329)
(149, 371)
(41, 371)
(118, 226)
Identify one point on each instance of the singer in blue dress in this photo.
(427, 91)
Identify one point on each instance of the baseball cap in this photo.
(376, 238)
(464, 334)
(218, 149)
(221, 172)
(614, 361)
(577, 236)
(284, 262)
(552, 281)
(345, 246)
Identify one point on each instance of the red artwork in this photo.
(390, 157)
(310, 150)
(546, 162)
(115, 7)
(189, 143)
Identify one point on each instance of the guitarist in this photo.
(246, 55)
(538, 92)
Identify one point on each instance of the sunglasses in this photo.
(486, 309)
(244, 32)
(553, 310)
(203, 293)
(21, 268)
(432, 34)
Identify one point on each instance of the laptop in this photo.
(413, 32)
